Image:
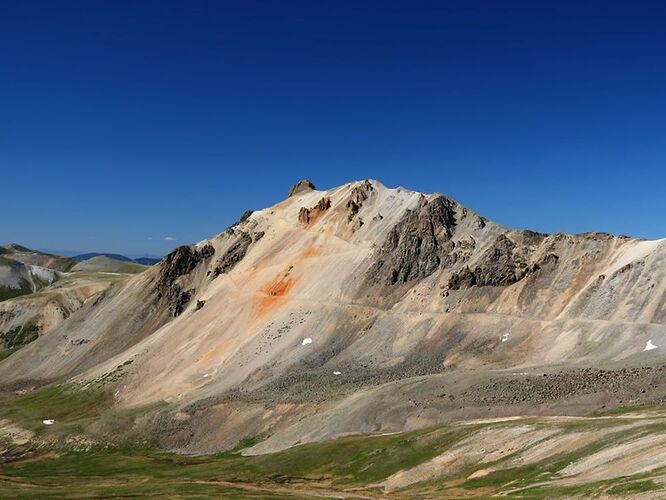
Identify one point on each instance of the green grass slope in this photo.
(96, 450)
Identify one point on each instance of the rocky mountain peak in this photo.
(301, 186)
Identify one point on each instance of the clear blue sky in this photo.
(124, 121)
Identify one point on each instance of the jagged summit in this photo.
(301, 186)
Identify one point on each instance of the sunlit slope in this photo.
(331, 293)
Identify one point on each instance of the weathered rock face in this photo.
(501, 265)
(246, 215)
(418, 245)
(301, 186)
(179, 263)
(358, 195)
(234, 253)
(308, 216)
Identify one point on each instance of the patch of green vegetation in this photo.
(621, 410)
(4, 354)
(516, 476)
(622, 486)
(20, 336)
(350, 460)
(346, 461)
(523, 477)
(244, 443)
(127, 462)
(634, 487)
(131, 268)
(65, 404)
(7, 293)
(109, 266)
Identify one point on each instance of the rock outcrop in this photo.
(234, 253)
(418, 245)
(300, 187)
(179, 263)
(308, 216)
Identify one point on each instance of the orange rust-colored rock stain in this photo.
(273, 293)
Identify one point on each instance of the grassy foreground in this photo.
(95, 450)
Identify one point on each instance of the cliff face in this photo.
(328, 296)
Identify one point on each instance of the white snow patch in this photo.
(307, 341)
(206, 375)
(649, 346)
(337, 373)
(48, 421)
(116, 393)
(505, 337)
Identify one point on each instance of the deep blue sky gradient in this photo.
(124, 121)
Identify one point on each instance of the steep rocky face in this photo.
(418, 245)
(234, 254)
(500, 265)
(179, 263)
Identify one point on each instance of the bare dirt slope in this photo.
(364, 309)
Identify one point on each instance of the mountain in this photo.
(63, 286)
(368, 310)
(24, 271)
(35, 258)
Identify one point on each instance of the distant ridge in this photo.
(87, 256)
(146, 261)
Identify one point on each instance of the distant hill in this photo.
(90, 255)
(12, 248)
(103, 263)
(31, 257)
(146, 261)
(23, 271)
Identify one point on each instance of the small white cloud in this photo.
(150, 237)
(169, 238)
